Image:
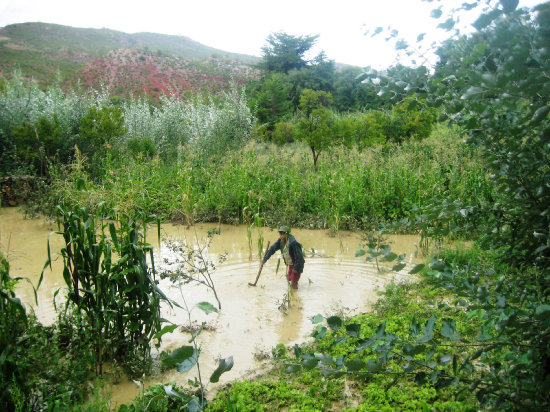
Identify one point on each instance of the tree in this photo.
(271, 100)
(37, 144)
(98, 128)
(411, 119)
(495, 85)
(316, 124)
(351, 94)
(284, 52)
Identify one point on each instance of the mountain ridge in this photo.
(130, 64)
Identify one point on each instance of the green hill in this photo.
(45, 51)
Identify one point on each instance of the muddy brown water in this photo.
(251, 321)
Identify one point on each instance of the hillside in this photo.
(130, 64)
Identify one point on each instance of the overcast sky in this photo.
(241, 26)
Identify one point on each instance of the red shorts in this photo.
(293, 276)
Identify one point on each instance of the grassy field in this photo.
(350, 189)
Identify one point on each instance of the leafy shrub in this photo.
(212, 129)
(411, 120)
(283, 133)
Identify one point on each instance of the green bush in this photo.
(411, 120)
(283, 133)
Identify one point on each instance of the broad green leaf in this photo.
(373, 366)
(188, 364)
(206, 307)
(417, 269)
(178, 356)
(325, 359)
(317, 318)
(355, 365)
(412, 349)
(319, 332)
(485, 19)
(114, 236)
(438, 265)
(334, 322)
(472, 92)
(338, 340)
(542, 311)
(292, 368)
(310, 363)
(448, 329)
(360, 252)
(332, 374)
(224, 365)
(415, 327)
(297, 351)
(427, 334)
(390, 257)
(445, 359)
(540, 115)
(194, 405)
(381, 331)
(166, 329)
(353, 330)
(398, 266)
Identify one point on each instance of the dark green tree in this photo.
(284, 52)
(351, 94)
(98, 129)
(36, 145)
(270, 99)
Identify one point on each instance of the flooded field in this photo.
(253, 319)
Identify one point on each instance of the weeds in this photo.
(350, 190)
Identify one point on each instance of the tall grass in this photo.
(351, 189)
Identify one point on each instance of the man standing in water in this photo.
(292, 255)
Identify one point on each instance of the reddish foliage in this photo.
(132, 72)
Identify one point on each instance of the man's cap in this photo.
(283, 229)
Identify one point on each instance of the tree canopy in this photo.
(284, 52)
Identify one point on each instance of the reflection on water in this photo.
(333, 282)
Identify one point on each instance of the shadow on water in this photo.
(250, 323)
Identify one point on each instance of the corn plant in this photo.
(110, 283)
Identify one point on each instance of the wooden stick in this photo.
(261, 266)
